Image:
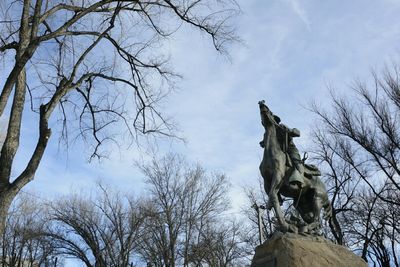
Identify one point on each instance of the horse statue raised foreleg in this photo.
(272, 167)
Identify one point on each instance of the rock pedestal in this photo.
(292, 250)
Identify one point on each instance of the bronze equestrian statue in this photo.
(285, 174)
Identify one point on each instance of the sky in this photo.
(291, 52)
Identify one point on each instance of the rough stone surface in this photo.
(284, 250)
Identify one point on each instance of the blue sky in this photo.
(292, 50)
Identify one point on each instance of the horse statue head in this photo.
(267, 117)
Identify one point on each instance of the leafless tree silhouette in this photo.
(24, 242)
(186, 217)
(98, 64)
(99, 231)
(358, 143)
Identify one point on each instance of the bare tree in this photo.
(223, 244)
(97, 64)
(23, 242)
(99, 231)
(367, 127)
(358, 144)
(342, 181)
(254, 210)
(186, 206)
(370, 230)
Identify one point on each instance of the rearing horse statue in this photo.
(308, 192)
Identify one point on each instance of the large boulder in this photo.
(292, 250)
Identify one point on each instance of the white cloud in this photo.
(301, 13)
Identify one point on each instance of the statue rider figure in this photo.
(285, 138)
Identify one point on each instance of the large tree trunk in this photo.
(6, 198)
(10, 146)
(8, 191)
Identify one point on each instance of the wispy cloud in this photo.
(301, 13)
